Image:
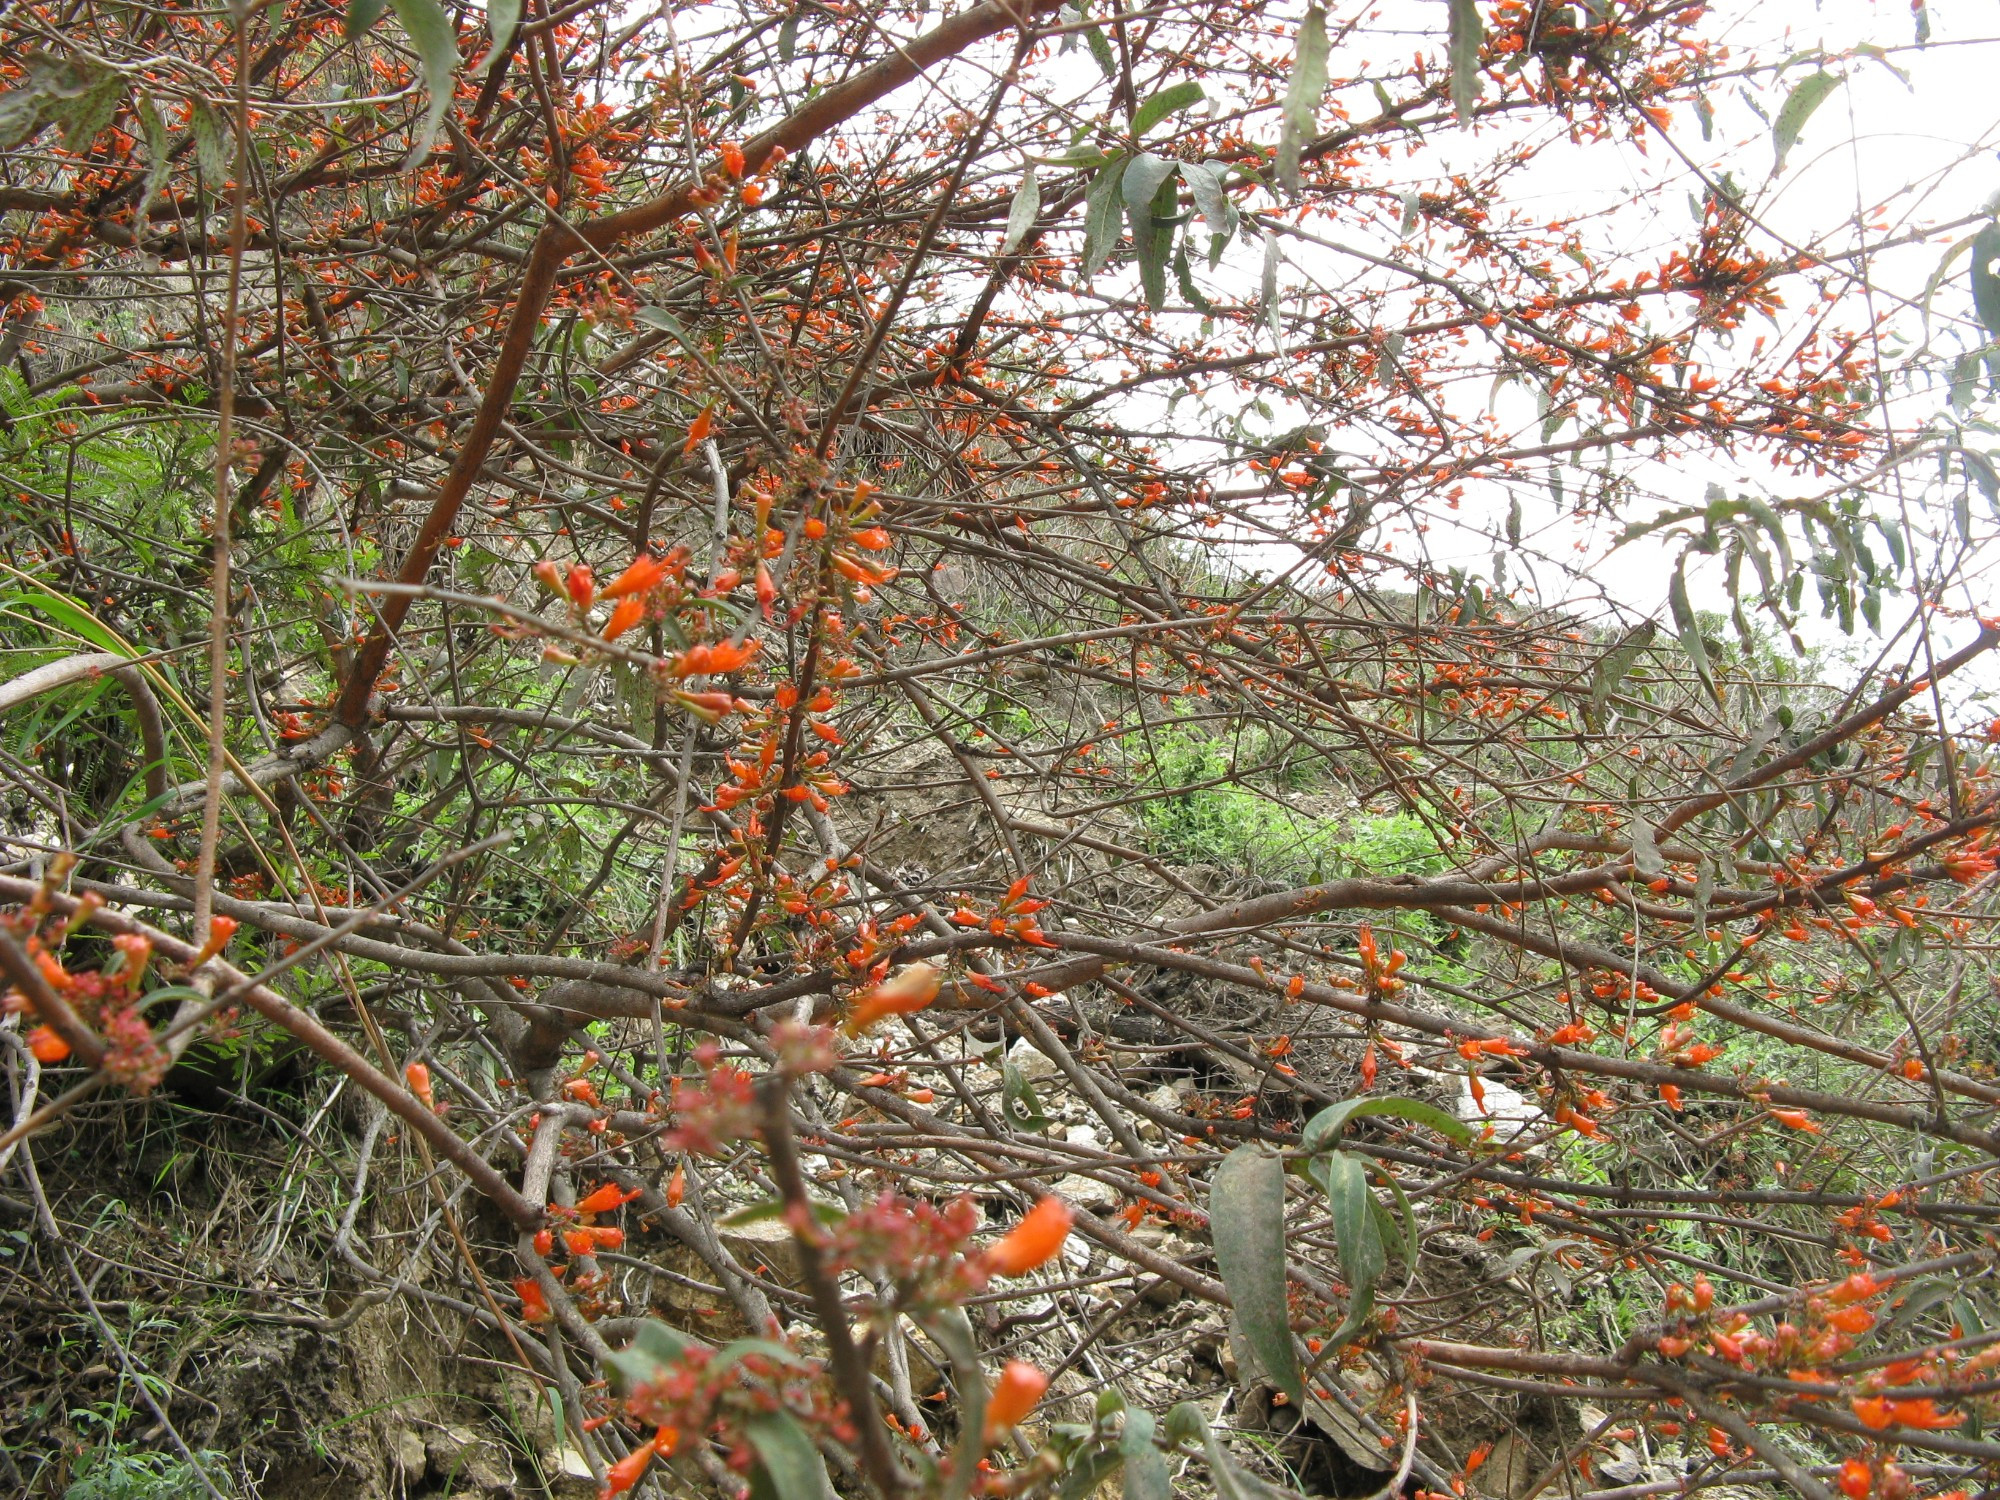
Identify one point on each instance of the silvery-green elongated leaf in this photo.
(502, 16)
(660, 318)
(1267, 289)
(1646, 856)
(436, 42)
(1404, 1245)
(1021, 214)
(1689, 629)
(159, 149)
(20, 116)
(361, 14)
(787, 1463)
(1467, 32)
(1232, 1483)
(1246, 1210)
(1182, 95)
(1146, 1476)
(1141, 183)
(1985, 284)
(1302, 95)
(1018, 1102)
(1323, 1130)
(1187, 1425)
(82, 117)
(1101, 211)
(953, 1332)
(1150, 192)
(1204, 180)
(1345, 1181)
(1614, 664)
(1088, 1472)
(1184, 278)
(212, 151)
(1806, 96)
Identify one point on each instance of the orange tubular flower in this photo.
(1032, 1241)
(606, 1199)
(911, 990)
(47, 1046)
(1015, 1393)
(642, 577)
(418, 1077)
(534, 1306)
(627, 1472)
(628, 613)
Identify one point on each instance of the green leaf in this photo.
(788, 1465)
(666, 322)
(84, 116)
(159, 151)
(1362, 1259)
(1144, 176)
(362, 14)
(1184, 278)
(1302, 95)
(1150, 195)
(502, 17)
(1182, 95)
(212, 152)
(20, 116)
(1021, 216)
(1204, 180)
(654, 1346)
(1231, 1483)
(953, 1331)
(1468, 31)
(1246, 1210)
(1986, 285)
(1146, 1476)
(788, 38)
(766, 1209)
(1018, 1102)
(1404, 1245)
(1100, 49)
(1806, 96)
(1088, 1470)
(1101, 212)
(1267, 289)
(437, 47)
(1613, 667)
(1323, 1130)
(1186, 1425)
(1689, 629)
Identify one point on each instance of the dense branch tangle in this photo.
(927, 659)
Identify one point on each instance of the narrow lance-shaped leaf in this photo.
(1689, 629)
(1182, 95)
(1614, 664)
(1204, 180)
(1146, 1474)
(502, 17)
(1985, 284)
(1302, 95)
(437, 48)
(1148, 188)
(361, 14)
(1467, 33)
(1357, 1239)
(1246, 1208)
(1101, 210)
(1808, 95)
(788, 1466)
(1021, 214)
(1323, 1130)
